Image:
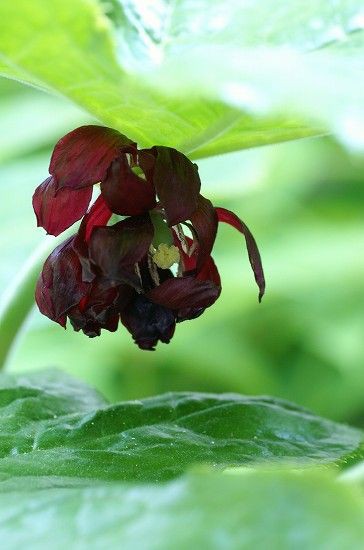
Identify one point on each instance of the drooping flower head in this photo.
(142, 254)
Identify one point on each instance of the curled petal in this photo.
(96, 311)
(146, 161)
(184, 292)
(82, 157)
(253, 252)
(188, 262)
(177, 183)
(148, 322)
(204, 221)
(58, 210)
(209, 272)
(116, 249)
(98, 215)
(60, 286)
(44, 301)
(126, 193)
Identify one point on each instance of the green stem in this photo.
(18, 300)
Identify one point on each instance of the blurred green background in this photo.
(303, 201)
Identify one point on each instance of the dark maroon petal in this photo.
(81, 249)
(253, 252)
(60, 286)
(116, 249)
(184, 292)
(68, 288)
(148, 322)
(96, 312)
(82, 157)
(146, 161)
(58, 210)
(204, 221)
(98, 215)
(209, 272)
(188, 262)
(44, 301)
(126, 295)
(177, 183)
(126, 193)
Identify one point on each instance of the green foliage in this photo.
(207, 77)
(195, 76)
(53, 427)
(63, 452)
(280, 510)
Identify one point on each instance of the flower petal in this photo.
(146, 161)
(116, 249)
(188, 262)
(82, 157)
(44, 301)
(177, 183)
(148, 322)
(126, 193)
(253, 252)
(184, 292)
(97, 311)
(98, 215)
(209, 272)
(204, 221)
(60, 286)
(58, 210)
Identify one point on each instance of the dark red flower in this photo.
(148, 322)
(149, 270)
(82, 158)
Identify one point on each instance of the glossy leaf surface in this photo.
(53, 427)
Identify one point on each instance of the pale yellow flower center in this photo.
(165, 256)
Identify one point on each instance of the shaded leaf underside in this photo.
(197, 77)
(255, 510)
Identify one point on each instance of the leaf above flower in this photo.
(196, 76)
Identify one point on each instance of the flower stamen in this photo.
(165, 256)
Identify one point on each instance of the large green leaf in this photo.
(51, 427)
(279, 510)
(205, 76)
(72, 469)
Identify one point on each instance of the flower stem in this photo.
(18, 300)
